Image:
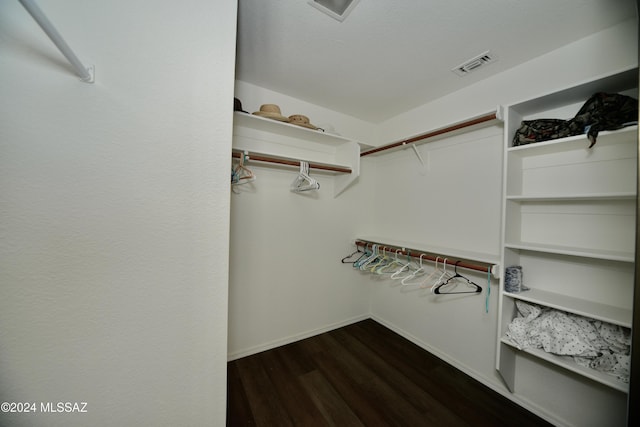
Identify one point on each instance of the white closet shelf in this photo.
(579, 92)
(567, 169)
(569, 364)
(486, 258)
(593, 310)
(577, 142)
(291, 143)
(572, 197)
(574, 251)
(284, 128)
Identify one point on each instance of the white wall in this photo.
(286, 279)
(115, 212)
(453, 203)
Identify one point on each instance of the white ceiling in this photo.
(390, 56)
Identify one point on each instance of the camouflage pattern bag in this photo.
(531, 131)
(602, 111)
(606, 111)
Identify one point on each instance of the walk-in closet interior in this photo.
(365, 182)
(440, 185)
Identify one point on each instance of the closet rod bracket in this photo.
(91, 77)
(86, 73)
(496, 271)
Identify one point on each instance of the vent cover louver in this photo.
(474, 63)
(337, 9)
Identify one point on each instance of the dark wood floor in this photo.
(361, 375)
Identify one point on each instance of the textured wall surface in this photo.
(115, 212)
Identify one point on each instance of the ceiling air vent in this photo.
(474, 63)
(337, 9)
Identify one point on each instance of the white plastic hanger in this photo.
(442, 277)
(390, 267)
(303, 181)
(367, 254)
(430, 277)
(372, 259)
(405, 270)
(361, 263)
(418, 272)
(381, 261)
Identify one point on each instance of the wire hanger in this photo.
(303, 181)
(477, 288)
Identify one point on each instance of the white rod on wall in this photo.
(86, 74)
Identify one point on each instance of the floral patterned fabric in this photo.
(592, 343)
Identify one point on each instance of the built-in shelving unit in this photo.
(569, 217)
(568, 364)
(286, 142)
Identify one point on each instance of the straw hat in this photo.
(300, 120)
(271, 111)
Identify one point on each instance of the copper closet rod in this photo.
(424, 255)
(461, 125)
(287, 162)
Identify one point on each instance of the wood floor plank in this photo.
(485, 406)
(406, 389)
(329, 402)
(367, 411)
(266, 408)
(298, 356)
(370, 384)
(299, 404)
(464, 395)
(414, 363)
(362, 374)
(238, 409)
